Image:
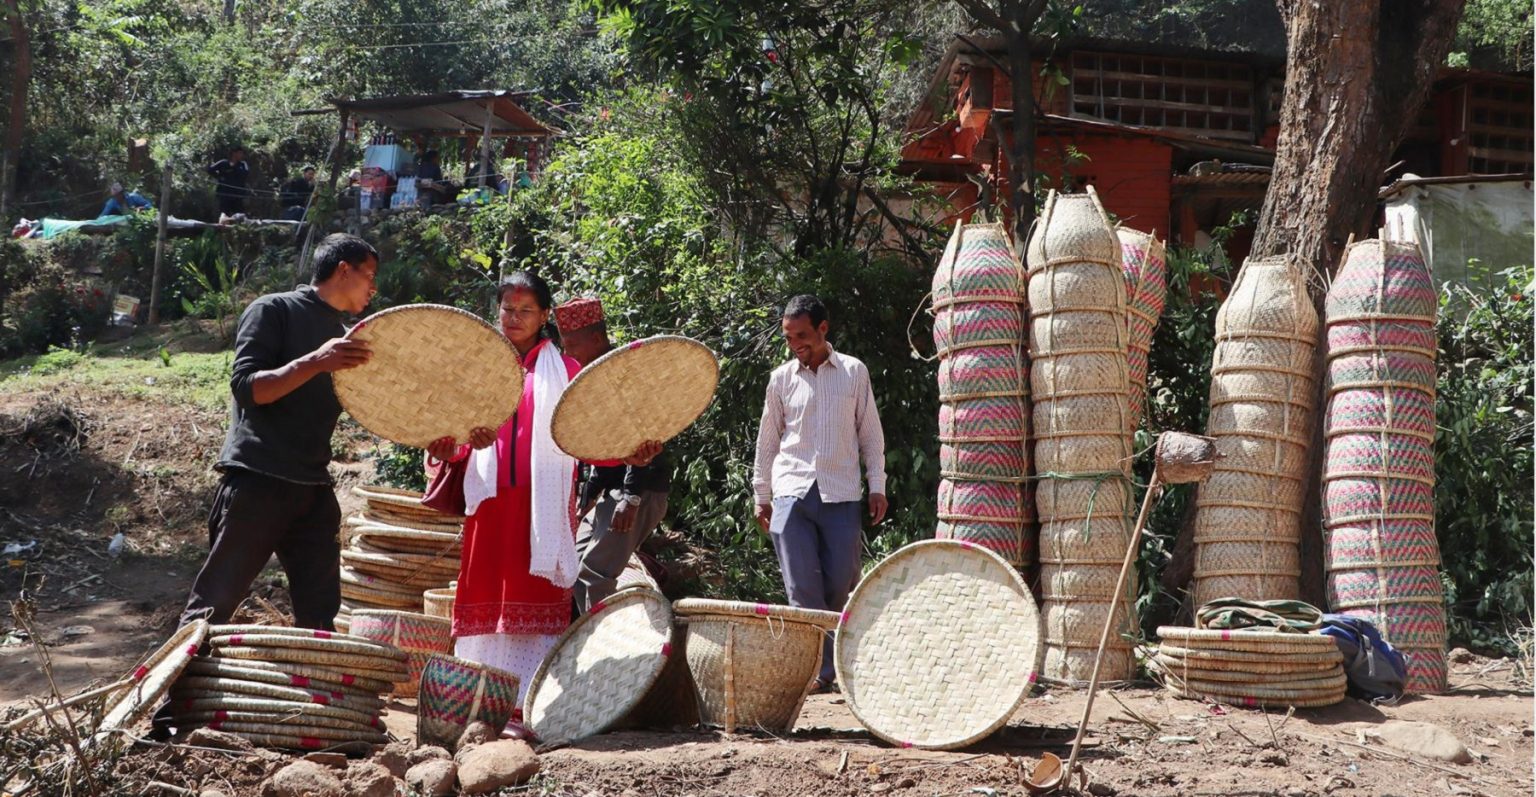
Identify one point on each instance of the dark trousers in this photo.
(231, 204)
(818, 544)
(255, 516)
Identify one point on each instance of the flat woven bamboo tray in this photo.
(651, 389)
(692, 607)
(151, 680)
(939, 645)
(436, 371)
(601, 667)
(336, 681)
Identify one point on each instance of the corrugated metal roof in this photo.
(448, 113)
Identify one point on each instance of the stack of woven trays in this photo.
(1083, 435)
(752, 663)
(1250, 668)
(1379, 472)
(978, 332)
(1248, 511)
(1144, 261)
(291, 688)
(398, 549)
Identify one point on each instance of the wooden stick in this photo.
(162, 219)
(1153, 489)
(29, 717)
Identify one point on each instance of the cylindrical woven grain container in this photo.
(1383, 559)
(1248, 512)
(438, 602)
(753, 664)
(978, 331)
(1145, 265)
(417, 634)
(455, 692)
(1082, 430)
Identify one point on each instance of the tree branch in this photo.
(984, 14)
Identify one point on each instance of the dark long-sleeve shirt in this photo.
(656, 476)
(230, 177)
(290, 438)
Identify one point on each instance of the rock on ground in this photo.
(365, 779)
(493, 765)
(433, 777)
(428, 753)
(476, 732)
(303, 779)
(219, 740)
(1424, 739)
(395, 757)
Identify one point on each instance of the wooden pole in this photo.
(485, 144)
(164, 217)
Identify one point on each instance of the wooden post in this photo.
(164, 212)
(485, 143)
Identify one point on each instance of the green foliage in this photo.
(56, 360)
(43, 305)
(399, 466)
(206, 265)
(1501, 28)
(1483, 460)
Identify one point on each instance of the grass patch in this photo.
(144, 366)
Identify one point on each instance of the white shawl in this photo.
(551, 539)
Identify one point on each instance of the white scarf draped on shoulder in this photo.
(551, 537)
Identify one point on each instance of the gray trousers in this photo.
(603, 551)
(818, 546)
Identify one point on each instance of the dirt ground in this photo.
(75, 469)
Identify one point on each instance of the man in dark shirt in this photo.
(230, 175)
(621, 505)
(294, 195)
(276, 494)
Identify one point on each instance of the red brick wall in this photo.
(1133, 176)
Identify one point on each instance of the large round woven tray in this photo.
(939, 644)
(151, 680)
(1243, 657)
(276, 708)
(408, 522)
(331, 687)
(436, 371)
(194, 687)
(337, 643)
(651, 389)
(321, 678)
(397, 500)
(373, 667)
(601, 667)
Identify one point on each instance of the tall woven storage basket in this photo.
(1145, 263)
(1383, 559)
(1248, 512)
(1082, 429)
(978, 303)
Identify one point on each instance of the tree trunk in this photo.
(1356, 75)
(1021, 149)
(16, 121)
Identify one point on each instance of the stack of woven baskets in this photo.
(1248, 512)
(1379, 476)
(398, 549)
(418, 635)
(289, 688)
(978, 331)
(1083, 429)
(1250, 668)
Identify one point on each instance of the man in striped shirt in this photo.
(819, 422)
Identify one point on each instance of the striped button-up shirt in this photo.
(816, 427)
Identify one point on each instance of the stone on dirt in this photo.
(476, 732)
(303, 779)
(494, 765)
(367, 779)
(433, 777)
(1424, 739)
(219, 740)
(332, 760)
(429, 752)
(395, 757)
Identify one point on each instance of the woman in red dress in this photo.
(519, 557)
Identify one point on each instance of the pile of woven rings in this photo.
(1083, 436)
(291, 688)
(1383, 558)
(978, 331)
(398, 549)
(1249, 668)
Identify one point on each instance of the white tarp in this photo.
(1464, 221)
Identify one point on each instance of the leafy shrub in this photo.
(399, 466)
(1483, 460)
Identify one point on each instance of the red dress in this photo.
(496, 593)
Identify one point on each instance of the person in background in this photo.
(294, 195)
(519, 554)
(230, 175)
(620, 505)
(122, 204)
(819, 422)
(429, 178)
